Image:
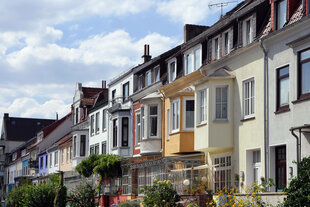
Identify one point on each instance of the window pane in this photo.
(189, 113)
(172, 71)
(153, 126)
(189, 63)
(305, 55)
(284, 91)
(153, 110)
(281, 14)
(125, 131)
(83, 145)
(197, 59)
(284, 71)
(156, 74)
(305, 77)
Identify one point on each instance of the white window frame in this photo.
(251, 98)
(244, 31)
(143, 117)
(156, 71)
(229, 33)
(104, 120)
(138, 113)
(257, 165)
(192, 53)
(51, 159)
(97, 122)
(184, 113)
(56, 161)
(199, 107)
(149, 72)
(177, 121)
(228, 103)
(221, 168)
(150, 116)
(218, 55)
(92, 124)
(172, 77)
(62, 156)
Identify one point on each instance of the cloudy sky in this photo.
(47, 46)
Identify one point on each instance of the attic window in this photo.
(280, 7)
(14, 156)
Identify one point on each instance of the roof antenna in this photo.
(221, 4)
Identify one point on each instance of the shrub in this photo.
(129, 204)
(160, 194)
(298, 192)
(16, 196)
(82, 196)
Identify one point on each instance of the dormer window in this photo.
(172, 70)
(280, 7)
(14, 156)
(216, 48)
(148, 78)
(248, 30)
(156, 74)
(192, 59)
(140, 82)
(227, 41)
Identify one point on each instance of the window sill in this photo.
(302, 98)
(282, 109)
(201, 124)
(248, 119)
(221, 120)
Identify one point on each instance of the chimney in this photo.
(192, 30)
(6, 115)
(146, 57)
(79, 86)
(56, 116)
(104, 84)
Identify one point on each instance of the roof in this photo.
(47, 130)
(90, 95)
(65, 139)
(23, 129)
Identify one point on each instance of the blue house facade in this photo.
(25, 171)
(43, 169)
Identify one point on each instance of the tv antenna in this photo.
(221, 4)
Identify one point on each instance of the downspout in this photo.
(163, 122)
(297, 147)
(266, 110)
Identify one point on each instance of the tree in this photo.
(298, 192)
(82, 196)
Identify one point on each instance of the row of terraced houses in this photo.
(231, 103)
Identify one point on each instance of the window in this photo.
(248, 98)
(142, 122)
(168, 123)
(256, 166)
(153, 120)
(114, 133)
(76, 115)
(91, 149)
(172, 70)
(189, 113)
(192, 60)
(97, 122)
(51, 160)
(62, 156)
(148, 78)
(104, 148)
(92, 125)
(67, 157)
(46, 160)
(126, 181)
(24, 152)
(202, 107)
(175, 115)
(126, 92)
(104, 121)
(280, 7)
(282, 87)
(140, 82)
(74, 146)
(221, 111)
(113, 96)
(97, 149)
(304, 73)
(216, 49)
(248, 31)
(125, 131)
(156, 74)
(83, 145)
(56, 158)
(138, 128)
(41, 162)
(222, 172)
(226, 43)
(14, 156)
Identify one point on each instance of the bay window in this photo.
(153, 120)
(221, 103)
(175, 115)
(248, 98)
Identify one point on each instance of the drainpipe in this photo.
(163, 122)
(266, 110)
(298, 147)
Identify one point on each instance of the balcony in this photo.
(150, 146)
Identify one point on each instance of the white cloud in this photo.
(188, 11)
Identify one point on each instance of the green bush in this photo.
(32, 196)
(129, 204)
(82, 196)
(298, 192)
(160, 194)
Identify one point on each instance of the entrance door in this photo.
(280, 168)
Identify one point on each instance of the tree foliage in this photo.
(298, 192)
(86, 167)
(82, 196)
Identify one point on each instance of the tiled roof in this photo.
(47, 130)
(65, 139)
(91, 92)
(298, 14)
(23, 129)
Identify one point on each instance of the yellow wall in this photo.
(67, 164)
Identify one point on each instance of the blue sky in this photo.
(47, 46)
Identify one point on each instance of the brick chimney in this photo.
(6, 115)
(146, 57)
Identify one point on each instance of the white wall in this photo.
(52, 168)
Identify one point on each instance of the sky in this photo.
(46, 47)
